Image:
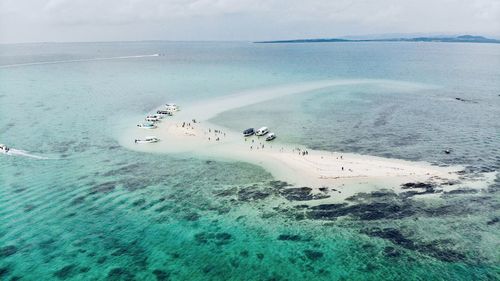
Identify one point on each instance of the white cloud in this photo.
(83, 20)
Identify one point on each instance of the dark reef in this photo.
(289, 237)
(120, 273)
(66, 272)
(301, 194)
(8, 251)
(313, 255)
(433, 249)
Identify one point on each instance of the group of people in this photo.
(302, 152)
(257, 146)
(188, 125)
(217, 133)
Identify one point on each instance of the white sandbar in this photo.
(179, 134)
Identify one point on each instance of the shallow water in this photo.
(95, 210)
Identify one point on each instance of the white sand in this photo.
(285, 162)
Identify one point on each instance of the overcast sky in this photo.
(111, 20)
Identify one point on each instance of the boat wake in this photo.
(23, 153)
(76, 60)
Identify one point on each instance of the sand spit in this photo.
(189, 131)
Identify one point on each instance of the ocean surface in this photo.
(75, 205)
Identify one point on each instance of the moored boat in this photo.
(248, 132)
(172, 107)
(262, 131)
(147, 126)
(270, 137)
(153, 118)
(165, 112)
(147, 140)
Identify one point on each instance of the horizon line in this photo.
(342, 37)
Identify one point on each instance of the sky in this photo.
(239, 20)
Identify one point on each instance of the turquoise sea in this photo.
(94, 210)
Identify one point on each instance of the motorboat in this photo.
(165, 112)
(4, 149)
(147, 140)
(270, 137)
(147, 125)
(248, 132)
(262, 131)
(172, 107)
(153, 118)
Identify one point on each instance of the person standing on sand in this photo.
(342, 168)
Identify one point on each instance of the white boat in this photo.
(165, 112)
(172, 107)
(153, 118)
(4, 149)
(147, 140)
(147, 125)
(270, 137)
(262, 131)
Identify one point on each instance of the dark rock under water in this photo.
(119, 274)
(301, 194)
(289, 237)
(493, 221)
(66, 272)
(362, 211)
(8, 251)
(313, 255)
(433, 248)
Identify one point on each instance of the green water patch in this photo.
(144, 217)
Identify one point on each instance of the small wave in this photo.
(76, 60)
(18, 152)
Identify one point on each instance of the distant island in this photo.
(445, 39)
